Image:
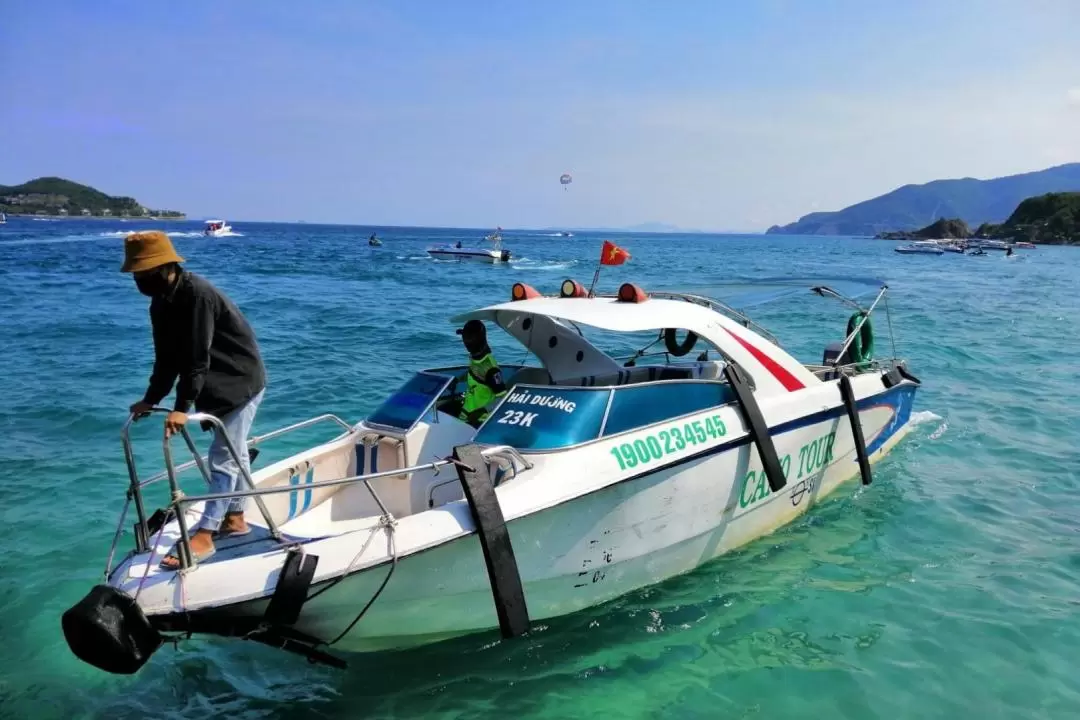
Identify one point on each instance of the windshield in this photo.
(411, 401)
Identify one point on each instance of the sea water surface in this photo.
(947, 589)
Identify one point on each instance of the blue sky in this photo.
(705, 114)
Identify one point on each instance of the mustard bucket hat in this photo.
(148, 250)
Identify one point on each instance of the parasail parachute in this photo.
(565, 180)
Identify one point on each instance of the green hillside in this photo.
(57, 196)
(954, 229)
(1050, 219)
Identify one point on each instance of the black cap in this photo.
(473, 327)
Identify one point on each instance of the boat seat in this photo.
(531, 376)
(701, 370)
(710, 370)
(630, 376)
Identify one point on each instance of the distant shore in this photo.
(99, 217)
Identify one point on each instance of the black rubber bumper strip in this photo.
(506, 588)
(756, 427)
(848, 396)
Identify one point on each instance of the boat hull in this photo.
(635, 532)
(468, 255)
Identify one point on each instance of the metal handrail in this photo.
(179, 502)
(175, 488)
(252, 442)
(134, 492)
(352, 479)
(714, 304)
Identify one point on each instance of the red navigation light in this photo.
(631, 293)
(571, 289)
(521, 291)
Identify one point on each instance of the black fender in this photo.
(679, 349)
(107, 629)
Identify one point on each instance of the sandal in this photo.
(223, 534)
(174, 555)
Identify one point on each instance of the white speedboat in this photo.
(994, 244)
(217, 228)
(920, 247)
(494, 254)
(592, 477)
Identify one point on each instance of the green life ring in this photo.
(862, 347)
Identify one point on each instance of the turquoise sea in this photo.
(947, 589)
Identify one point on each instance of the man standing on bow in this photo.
(203, 344)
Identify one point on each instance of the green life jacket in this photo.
(477, 394)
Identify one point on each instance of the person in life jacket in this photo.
(484, 381)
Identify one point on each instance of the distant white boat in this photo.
(496, 253)
(922, 247)
(217, 228)
(3, 218)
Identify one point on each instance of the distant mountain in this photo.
(913, 206)
(57, 196)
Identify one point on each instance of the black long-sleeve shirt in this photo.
(202, 339)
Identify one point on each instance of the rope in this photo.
(389, 574)
(888, 318)
(349, 568)
(116, 536)
(153, 551)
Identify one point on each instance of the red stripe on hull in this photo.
(785, 378)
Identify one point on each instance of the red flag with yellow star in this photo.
(612, 254)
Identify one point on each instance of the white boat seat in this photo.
(630, 376)
(531, 376)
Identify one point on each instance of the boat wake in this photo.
(125, 233)
(527, 264)
(924, 417)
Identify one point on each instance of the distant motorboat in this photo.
(925, 247)
(495, 254)
(1025, 244)
(564, 234)
(953, 247)
(217, 228)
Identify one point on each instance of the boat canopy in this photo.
(541, 325)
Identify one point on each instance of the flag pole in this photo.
(596, 275)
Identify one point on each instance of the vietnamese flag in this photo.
(612, 254)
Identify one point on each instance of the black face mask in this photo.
(475, 345)
(153, 284)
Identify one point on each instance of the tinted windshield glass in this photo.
(542, 418)
(635, 407)
(409, 403)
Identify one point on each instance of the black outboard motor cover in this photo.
(832, 353)
(108, 630)
(506, 256)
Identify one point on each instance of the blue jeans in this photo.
(224, 472)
